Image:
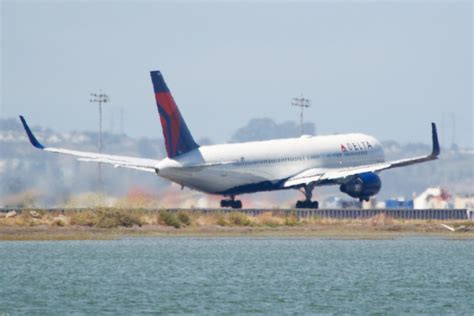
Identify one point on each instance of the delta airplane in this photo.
(351, 161)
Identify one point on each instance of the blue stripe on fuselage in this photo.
(266, 186)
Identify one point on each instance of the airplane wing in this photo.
(340, 174)
(142, 164)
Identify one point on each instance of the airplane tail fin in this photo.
(178, 139)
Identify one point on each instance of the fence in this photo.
(428, 214)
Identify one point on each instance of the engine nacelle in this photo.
(363, 186)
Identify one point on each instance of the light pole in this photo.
(302, 103)
(100, 98)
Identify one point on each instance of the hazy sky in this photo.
(384, 68)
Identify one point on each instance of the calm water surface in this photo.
(237, 276)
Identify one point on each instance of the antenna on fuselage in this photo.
(302, 103)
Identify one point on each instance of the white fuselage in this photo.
(240, 168)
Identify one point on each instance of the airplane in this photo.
(351, 161)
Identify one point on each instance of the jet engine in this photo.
(362, 186)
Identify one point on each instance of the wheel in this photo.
(236, 204)
(307, 204)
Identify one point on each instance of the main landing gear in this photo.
(307, 203)
(232, 203)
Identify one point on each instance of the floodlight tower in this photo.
(302, 103)
(100, 98)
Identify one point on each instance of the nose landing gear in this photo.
(232, 203)
(307, 203)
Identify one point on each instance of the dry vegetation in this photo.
(105, 223)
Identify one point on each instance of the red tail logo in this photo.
(178, 139)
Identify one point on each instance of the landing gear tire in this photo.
(307, 204)
(236, 204)
(308, 193)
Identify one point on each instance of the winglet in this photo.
(436, 149)
(32, 137)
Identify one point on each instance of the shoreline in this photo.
(107, 224)
(44, 232)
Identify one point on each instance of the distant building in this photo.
(399, 203)
(432, 198)
(464, 202)
(336, 203)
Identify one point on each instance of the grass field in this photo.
(111, 223)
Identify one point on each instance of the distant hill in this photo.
(265, 129)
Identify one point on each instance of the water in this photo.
(237, 276)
